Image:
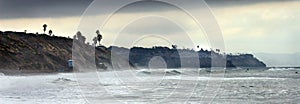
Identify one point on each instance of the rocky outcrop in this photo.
(184, 58)
(245, 60)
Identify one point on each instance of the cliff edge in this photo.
(39, 53)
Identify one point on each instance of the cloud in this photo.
(174, 25)
(11, 9)
(231, 3)
(264, 27)
(247, 25)
(66, 26)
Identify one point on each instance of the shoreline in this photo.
(16, 72)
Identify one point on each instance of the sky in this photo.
(247, 26)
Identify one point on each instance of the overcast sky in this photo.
(271, 26)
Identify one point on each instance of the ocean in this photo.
(173, 86)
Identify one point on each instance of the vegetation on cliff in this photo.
(44, 53)
(40, 52)
(185, 58)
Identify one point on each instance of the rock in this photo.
(173, 72)
(62, 80)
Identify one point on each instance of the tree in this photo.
(218, 50)
(50, 32)
(95, 41)
(80, 37)
(97, 32)
(99, 36)
(44, 26)
(83, 39)
(78, 34)
(174, 46)
(74, 37)
(201, 50)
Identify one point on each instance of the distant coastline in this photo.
(173, 58)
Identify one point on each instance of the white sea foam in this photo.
(104, 87)
(282, 69)
(2, 74)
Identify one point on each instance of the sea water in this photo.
(191, 86)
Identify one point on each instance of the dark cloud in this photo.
(228, 3)
(10, 9)
(225, 3)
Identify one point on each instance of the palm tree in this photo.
(99, 36)
(45, 26)
(97, 32)
(50, 32)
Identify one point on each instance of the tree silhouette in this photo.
(44, 26)
(83, 39)
(218, 50)
(99, 36)
(80, 37)
(97, 32)
(75, 37)
(174, 46)
(50, 32)
(95, 41)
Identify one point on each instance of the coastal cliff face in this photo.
(43, 53)
(39, 52)
(33, 52)
(184, 58)
(245, 60)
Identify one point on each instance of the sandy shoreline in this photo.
(14, 72)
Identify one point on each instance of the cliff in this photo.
(184, 58)
(27, 52)
(36, 53)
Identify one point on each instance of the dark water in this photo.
(258, 86)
